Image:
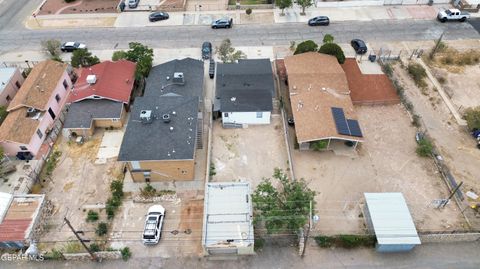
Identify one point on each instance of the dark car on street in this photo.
(359, 46)
(222, 23)
(319, 20)
(158, 16)
(206, 50)
(71, 46)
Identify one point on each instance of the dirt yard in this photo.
(386, 162)
(55, 7)
(77, 185)
(248, 154)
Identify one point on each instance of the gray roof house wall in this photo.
(158, 140)
(246, 86)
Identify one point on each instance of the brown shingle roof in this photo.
(17, 127)
(317, 83)
(39, 85)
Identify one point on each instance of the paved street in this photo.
(241, 35)
(437, 256)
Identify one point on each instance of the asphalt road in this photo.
(475, 23)
(240, 35)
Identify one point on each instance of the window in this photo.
(39, 133)
(57, 97)
(65, 84)
(17, 84)
(259, 115)
(23, 148)
(8, 98)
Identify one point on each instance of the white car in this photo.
(153, 225)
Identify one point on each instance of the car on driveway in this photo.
(158, 16)
(222, 23)
(319, 20)
(71, 46)
(133, 3)
(206, 50)
(153, 225)
(359, 46)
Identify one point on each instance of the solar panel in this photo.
(354, 128)
(340, 121)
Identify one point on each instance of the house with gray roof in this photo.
(161, 138)
(244, 92)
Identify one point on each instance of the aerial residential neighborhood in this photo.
(239, 134)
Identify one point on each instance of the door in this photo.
(50, 111)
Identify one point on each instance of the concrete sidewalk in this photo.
(266, 16)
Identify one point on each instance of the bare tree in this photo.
(227, 53)
(52, 47)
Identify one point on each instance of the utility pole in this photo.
(308, 230)
(452, 194)
(436, 46)
(80, 239)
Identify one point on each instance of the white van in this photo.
(153, 225)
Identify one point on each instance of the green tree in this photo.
(284, 209)
(304, 4)
(472, 116)
(227, 53)
(102, 229)
(3, 113)
(83, 58)
(424, 148)
(328, 38)
(283, 4)
(140, 54)
(306, 46)
(333, 49)
(52, 47)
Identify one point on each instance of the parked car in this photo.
(206, 50)
(359, 46)
(153, 225)
(133, 3)
(452, 15)
(222, 23)
(319, 20)
(158, 16)
(71, 46)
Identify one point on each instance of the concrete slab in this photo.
(110, 146)
(367, 67)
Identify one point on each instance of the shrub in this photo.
(94, 247)
(102, 229)
(472, 116)
(248, 11)
(324, 241)
(353, 241)
(442, 80)
(418, 74)
(54, 254)
(73, 247)
(424, 148)
(306, 46)
(333, 49)
(148, 191)
(126, 254)
(212, 170)
(92, 216)
(388, 69)
(258, 243)
(117, 188)
(319, 145)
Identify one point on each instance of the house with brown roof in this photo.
(100, 97)
(320, 100)
(32, 113)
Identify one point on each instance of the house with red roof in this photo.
(100, 97)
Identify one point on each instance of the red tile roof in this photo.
(114, 81)
(14, 230)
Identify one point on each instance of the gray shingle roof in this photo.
(193, 72)
(81, 114)
(156, 140)
(245, 86)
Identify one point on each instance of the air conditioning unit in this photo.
(178, 78)
(31, 112)
(91, 79)
(146, 116)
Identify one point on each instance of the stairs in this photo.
(200, 131)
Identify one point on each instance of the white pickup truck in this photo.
(452, 15)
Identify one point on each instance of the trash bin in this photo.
(372, 58)
(122, 6)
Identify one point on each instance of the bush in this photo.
(148, 191)
(3, 113)
(424, 148)
(442, 80)
(54, 254)
(319, 145)
(306, 46)
(117, 188)
(83, 58)
(333, 49)
(418, 74)
(126, 254)
(92, 216)
(248, 11)
(102, 229)
(94, 247)
(472, 116)
(258, 243)
(388, 69)
(346, 241)
(212, 170)
(324, 241)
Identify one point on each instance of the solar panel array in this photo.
(345, 126)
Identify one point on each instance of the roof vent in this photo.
(233, 99)
(91, 79)
(171, 129)
(146, 116)
(178, 78)
(166, 118)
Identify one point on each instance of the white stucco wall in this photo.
(246, 117)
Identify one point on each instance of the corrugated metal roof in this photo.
(228, 214)
(5, 199)
(391, 219)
